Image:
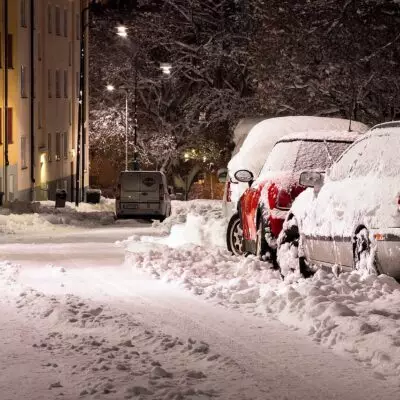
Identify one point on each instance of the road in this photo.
(263, 358)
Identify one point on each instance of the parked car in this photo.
(251, 151)
(264, 205)
(142, 194)
(351, 217)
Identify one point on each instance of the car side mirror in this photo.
(312, 179)
(244, 175)
(222, 175)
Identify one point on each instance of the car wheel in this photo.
(263, 251)
(363, 252)
(288, 258)
(234, 236)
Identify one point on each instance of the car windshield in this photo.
(377, 155)
(303, 155)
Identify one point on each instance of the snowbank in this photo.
(349, 313)
(198, 222)
(50, 219)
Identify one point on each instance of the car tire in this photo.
(234, 236)
(363, 252)
(288, 257)
(263, 251)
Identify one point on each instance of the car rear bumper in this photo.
(388, 250)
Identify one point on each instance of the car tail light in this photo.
(279, 198)
(118, 194)
(283, 200)
(228, 192)
(161, 191)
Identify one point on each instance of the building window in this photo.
(78, 26)
(66, 84)
(39, 46)
(49, 84)
(70, 112)
(58, 147)
(65, 145)
(10, 137)
(10, 51)
(77, 85)
(23, 13)
(23, 82)
(49, 19)
(23, 152)
(58, 84)
(70, 54)
(65, 23)
(49, 147)
(58, 21)
(1, 128)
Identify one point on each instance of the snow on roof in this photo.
(263, 136)
(322, 135)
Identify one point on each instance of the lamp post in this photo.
(111, 88)
(166, 69)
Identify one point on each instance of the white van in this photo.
(142, 194)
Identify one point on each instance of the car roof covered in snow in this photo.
(391, 124)
(263, 136)
(330, 136)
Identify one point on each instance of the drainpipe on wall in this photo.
(32, 97)
(6, 55)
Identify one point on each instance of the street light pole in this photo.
(126, 130)
(135, 121)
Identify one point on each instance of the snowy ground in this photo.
(167, 314)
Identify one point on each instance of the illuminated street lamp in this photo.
(122, 31)
(166, 68)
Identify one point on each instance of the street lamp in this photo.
(166, 68)
(111, 88)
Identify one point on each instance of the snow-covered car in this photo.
(264, 205)
(252, 149)
(351, 217)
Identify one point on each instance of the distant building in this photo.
(39, 116)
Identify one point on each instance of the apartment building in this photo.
(40, 47)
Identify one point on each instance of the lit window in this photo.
(58, 146)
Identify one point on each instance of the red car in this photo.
(263, 206)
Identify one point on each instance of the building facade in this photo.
(40, 66)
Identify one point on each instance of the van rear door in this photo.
(150, 185)
(130, 187)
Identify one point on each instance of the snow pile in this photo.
(198, 222)
(105, 205)
(47, 217)
(349, 313)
